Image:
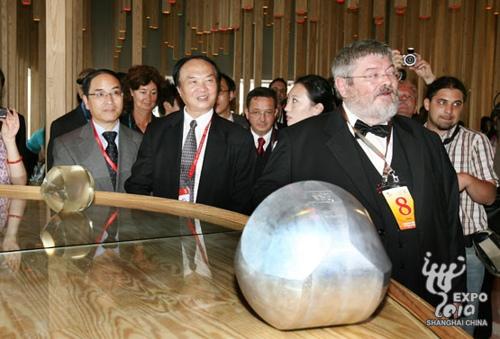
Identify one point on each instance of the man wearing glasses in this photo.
(225, 98)
(103, 146)
(382, 159)
(261, 110)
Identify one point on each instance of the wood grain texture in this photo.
(137, 31)
(141, 288)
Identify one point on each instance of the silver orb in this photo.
(310, 256)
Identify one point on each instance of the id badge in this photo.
(184, 194)
(401, 203)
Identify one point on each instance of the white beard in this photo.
(373, 114)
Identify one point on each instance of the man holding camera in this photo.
(407, 91)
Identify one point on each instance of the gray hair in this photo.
(344, 61)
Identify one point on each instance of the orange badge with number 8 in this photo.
(401, 203)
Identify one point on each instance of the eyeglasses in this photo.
(101, 95)
(391, 74)
(265, 114)
(404, 97)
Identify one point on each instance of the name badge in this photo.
(401, 203)
(184, 194)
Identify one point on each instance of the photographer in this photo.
(407, 90)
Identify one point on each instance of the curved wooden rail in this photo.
(210, 214)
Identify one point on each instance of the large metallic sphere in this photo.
(309, 256)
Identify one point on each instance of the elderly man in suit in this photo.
(193, 154)
(103, 146)
(364, 148)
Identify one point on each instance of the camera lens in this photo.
(409, 60)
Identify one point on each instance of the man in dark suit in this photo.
(334, 148)
(261, 111)
(193, 154)
(103, 146)
(70, 121)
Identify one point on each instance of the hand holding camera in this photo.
(413, 61)
(410, 58)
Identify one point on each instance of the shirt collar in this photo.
(99, 129)
(202, 120)
(267, 137)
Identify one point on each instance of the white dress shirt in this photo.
(202, 122)
(379, 142)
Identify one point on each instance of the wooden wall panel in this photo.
(464, 41)
(56, 52)
(137, 27)
(258, 39)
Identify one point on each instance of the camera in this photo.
(409, 59)
(3, 112)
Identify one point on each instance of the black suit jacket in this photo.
(262, 160)
(322, 148)
(62, 125)
(227, 173)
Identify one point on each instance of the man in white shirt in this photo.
(103, 146)
(261, 111)
(193, 154)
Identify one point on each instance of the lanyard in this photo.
(110, 162)
(450, 139)
(111, 219)
(192, 229)
(192, 169)
(387, 168)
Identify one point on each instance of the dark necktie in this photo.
(260, 147)
(379, 130)
(187, 157)
(112, 151)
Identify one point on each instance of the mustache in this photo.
(384, 90)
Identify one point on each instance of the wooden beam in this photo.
(56, 51)
(258, 43)
(137, 27)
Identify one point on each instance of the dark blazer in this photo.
(227, 173)
(322, 148)
(262, 160)
(79, 147)
(62, 125)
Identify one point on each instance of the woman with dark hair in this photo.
(141, 87)
(309, 96)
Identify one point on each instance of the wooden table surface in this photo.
(137, 288)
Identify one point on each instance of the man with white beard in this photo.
(381, 159)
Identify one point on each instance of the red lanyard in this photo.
(103, 151)
(192, 227)
(192, 169)
(109, 222)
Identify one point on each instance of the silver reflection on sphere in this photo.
(310, 256)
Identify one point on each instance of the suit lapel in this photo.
(341, 143)
(171, 153)
(415, 158)
(211, 160)
(96, 163)
(125, 156)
